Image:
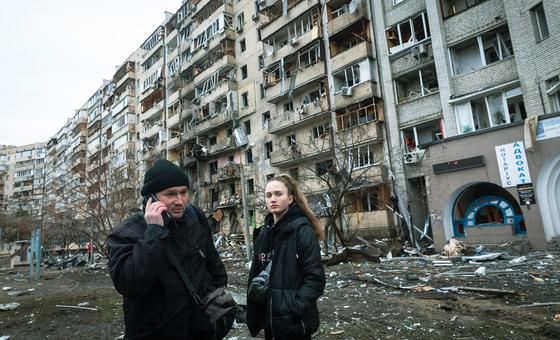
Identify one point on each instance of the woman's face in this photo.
(277, 198)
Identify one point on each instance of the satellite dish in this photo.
(269, 50)
(353, 6)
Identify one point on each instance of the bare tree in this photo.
(107, 194)
(338, 167)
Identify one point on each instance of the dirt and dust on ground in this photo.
(500, 292)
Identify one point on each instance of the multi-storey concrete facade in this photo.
(22, 179)
(465, 78)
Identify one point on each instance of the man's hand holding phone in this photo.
(156, 212)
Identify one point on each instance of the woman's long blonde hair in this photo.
(299, 198)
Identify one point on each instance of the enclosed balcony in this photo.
(351, 95)
(272, 17)
(343, 13)
(351, 55)
(274, 51)
(308, 148)
(360, 123)
(277, 90)
(307, 113)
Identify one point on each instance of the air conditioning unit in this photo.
(413, 156)
(346, 91)
(422, 49)
(293, 41)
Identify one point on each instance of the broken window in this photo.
(291, 139)
(249, 156)
(268, 150)
(489, 111)
(417, 84)
(250, 186)
(288, 107)
(245, 100)
(540, 25)
(265, 120)
(361, 156)
(422, 133)
(244, 74)
(452, 7)
(213, 168)
(362, 113)
(309, 56)
(467, 56)
(320, 131)
(407, 33)
(153, 39)
(553, 90)
(324, 167)
(247, 126)
(294, 173)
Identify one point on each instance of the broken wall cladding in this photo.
(476, 19)
(495, 74)
(420, 109)
(400, 12)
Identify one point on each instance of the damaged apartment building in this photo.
(461, 77)
(443, 114)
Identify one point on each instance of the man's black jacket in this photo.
(156, 302)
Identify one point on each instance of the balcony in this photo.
(289, 48)
(221, 146)
(173, 120)
(128, 75)
(221, 119)
(346, 19)
(223, 87)
(152, 111)
(357, 93)
(174, 143)
(278, 92)
(301, 152)
(148, 132)
(474, 20)
(226, 61)
(495, 74)
(280, 22)
(371, 131)
(418, 109)
(305, 114)
(354, 54)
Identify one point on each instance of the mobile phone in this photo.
(166, 215)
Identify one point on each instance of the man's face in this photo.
(175, 199)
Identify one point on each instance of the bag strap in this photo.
(197, 299)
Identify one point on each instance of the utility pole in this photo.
(246, 221)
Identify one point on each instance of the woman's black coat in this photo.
(297, 278)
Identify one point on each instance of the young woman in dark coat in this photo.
(282, 297)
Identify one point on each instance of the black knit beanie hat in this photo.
(162, 175)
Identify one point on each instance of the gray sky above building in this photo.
(55, 54)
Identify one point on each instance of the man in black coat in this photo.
(156, 302)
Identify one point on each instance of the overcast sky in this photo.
(54, 55)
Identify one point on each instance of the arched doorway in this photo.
(548, 196)
(486, 205)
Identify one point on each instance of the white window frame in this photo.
(355, 159)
